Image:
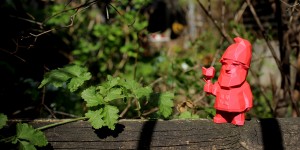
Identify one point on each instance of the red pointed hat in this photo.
(240, 51)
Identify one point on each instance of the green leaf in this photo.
(3, 120)
(143, 91)
(103, 90)
(110, 116)
(188, 115)
(165, 104)
(56, 77)
(24, 145)
(112, 81)
(136, 88)
(130, 84)
(59, 76)
(76, 82)
(114, 93)
(92, 97)
(28, 133)
(95, 118)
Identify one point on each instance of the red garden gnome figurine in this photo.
(232, 91)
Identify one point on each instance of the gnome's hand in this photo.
(209, 73)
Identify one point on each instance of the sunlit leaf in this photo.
(95, 118)
(142, 92)
(92, 97)
(110, 116)
(60, 76)
(130, 84)
(28, 133)
(114, 93)
(165, 104)
(112, 81)
(76, 82)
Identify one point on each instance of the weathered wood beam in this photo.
(256, 134)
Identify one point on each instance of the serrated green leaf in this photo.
(60, 76)
(76, 82)
(24, 145)
(130, 84)
(95, 118)
(114, 93)
(103, 90)
(141, 92)
(28, 133)
(112, 81)
(3, 120)
(56, 77)
(92, 97)
(165, 104)
(188, 115)
(110, 116)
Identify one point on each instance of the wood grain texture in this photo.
(176, 134)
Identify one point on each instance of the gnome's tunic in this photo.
(233, 100)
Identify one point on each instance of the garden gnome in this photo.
(232, 91)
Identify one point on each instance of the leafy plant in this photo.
(26, 136)
(102, 99)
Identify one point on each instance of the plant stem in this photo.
(60, 123)
(8, 139)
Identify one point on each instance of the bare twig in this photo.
(126, 108)
(13, 53)
(239, 14)
(155, 81)
(262, 30)
(28, 20)
(223, 32)
(85, 5)
(49, 110)
(262, 91)
(155, 109)
(292, 14)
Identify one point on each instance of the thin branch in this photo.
(6, 51)
(262, 91)
(28, 20)
(239, 14)
(156, 81)
(49, 110)
(223, 33)
(126, 108)
(153, 110)
(292, 14)
(85, 5)
(262, 30)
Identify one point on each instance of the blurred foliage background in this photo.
(162, 43)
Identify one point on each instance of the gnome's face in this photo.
(233, 73)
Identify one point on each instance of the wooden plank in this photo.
(176, 134)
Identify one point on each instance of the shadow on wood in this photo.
(271, 134)
(257, 134)
(146, 135)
